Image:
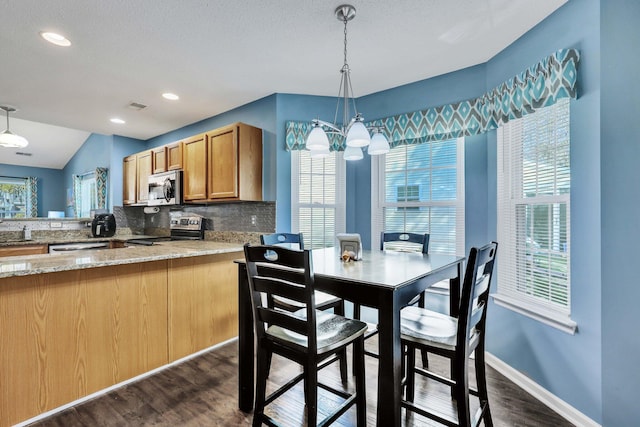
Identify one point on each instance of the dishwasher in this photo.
(68, 247)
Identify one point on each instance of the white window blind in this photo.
(420, 189)
(534, 188)
(13, 197)
(317, 198)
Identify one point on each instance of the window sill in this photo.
(541, 314)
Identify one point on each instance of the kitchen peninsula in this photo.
(77, 323)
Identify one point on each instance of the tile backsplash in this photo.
(249, 217)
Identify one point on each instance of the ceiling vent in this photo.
(22, 153)
(137, 106)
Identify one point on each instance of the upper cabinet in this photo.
(129, 180)
(224, 164)
(159, 160)
(235, 163)
(144, 165)
(174, 156)
(194, 162)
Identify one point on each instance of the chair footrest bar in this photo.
(434, 376)
(282, 390)
(338, 412)
(418, 410)
(343, 394)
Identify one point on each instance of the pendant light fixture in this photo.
(8, 138)
(353, 130)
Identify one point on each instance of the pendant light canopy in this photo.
(353, 130)
(9, 139)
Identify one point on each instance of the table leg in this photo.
(389, 362)
(245, 343)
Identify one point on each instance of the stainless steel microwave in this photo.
(165, 188)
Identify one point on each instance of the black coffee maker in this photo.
(103, 225)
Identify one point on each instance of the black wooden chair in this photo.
(410, 242)
(323, 300)
(310, 337)
(455, 339)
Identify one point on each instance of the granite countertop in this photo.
(49, 263)
(85, 238)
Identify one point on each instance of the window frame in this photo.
(378, 202)
(510, 180)
(17, 181)
(340, 197)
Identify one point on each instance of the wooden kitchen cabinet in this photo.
(234, 156)
(159, 159)
(144, 165)
(174, 156)
(194, 151)
(129, 180)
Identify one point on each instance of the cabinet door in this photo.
(159, 159)
(223, 163)
(129, 180)
(174, 156)
(195, 167)
(144, 168)
(21, 250)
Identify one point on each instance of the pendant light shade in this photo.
(358, 135)
(353, 153)
(319, 153)
(379, 145)
(317, 139)
(9, 139)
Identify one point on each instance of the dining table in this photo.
(384, 280)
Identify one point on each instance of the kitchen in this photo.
(585, 369)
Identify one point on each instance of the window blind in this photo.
(317, 198)
(420, 189)
(534, 187)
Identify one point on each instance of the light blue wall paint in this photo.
(620, 151)
(569, 366)
(51, 190)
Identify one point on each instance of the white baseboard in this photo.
(556, 404)
(115, 386)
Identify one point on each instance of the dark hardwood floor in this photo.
(203, 392)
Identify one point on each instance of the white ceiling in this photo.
(218, 55)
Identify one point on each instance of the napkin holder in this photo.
(351, 243)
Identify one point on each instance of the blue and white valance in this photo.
(539, 86)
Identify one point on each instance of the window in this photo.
(86, 197)
(13, 197)
(420, 189)
(317, 198)
(534, 188)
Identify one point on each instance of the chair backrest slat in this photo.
(285, 273)
(475, 294)
(405, 241)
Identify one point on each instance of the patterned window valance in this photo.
(539, 86)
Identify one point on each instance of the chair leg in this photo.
(356, 315)
(358, 369)
(411, 372)
(481, 380)
(342, 356)
(425, 358)
(264, 359)
(311, 391)
(461, 390)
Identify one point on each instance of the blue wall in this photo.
(569, 366)
(620, 154)
(51, 190)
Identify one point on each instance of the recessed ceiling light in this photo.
(118, 121)
(55, 38)
(170, 96)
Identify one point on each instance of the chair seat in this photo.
(323, 300)
(333, 331)
(428, 327)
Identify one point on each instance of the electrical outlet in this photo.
(55, 224)
(253, 219)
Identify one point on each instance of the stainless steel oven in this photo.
(165, 188)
